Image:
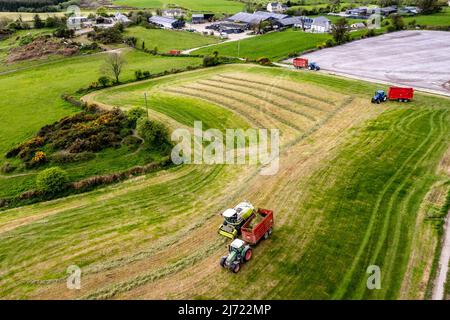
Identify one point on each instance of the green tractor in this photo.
(234, 219)
(238, 253)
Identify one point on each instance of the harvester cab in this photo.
(313, 66)
(233, 219)
(238, 253)
(379, 96)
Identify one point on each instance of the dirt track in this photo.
(411, 58)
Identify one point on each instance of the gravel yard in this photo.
(420, 59)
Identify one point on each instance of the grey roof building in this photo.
(257, 17)
(165, 22)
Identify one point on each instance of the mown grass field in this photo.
(352, 182)
(32, 99)
(275, 45)
(217, 6)
(166, 40)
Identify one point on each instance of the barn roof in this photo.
(161, 20)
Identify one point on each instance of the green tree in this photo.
(335, 5)
(428, 6)
(397, 22)
(155, 134)
(340, 31)
(52, 180)
(37, 21)
(134, 114)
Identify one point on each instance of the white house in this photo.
(321, 25)
(173, 13)
(276, 7)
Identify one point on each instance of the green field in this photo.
(166, 40)
(274, 45)
(436, 19)
(217, 6)
(40, 104)
(348, 194)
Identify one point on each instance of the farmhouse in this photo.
(173, 13)
(167, 23)
(276, 7)
(321, 25)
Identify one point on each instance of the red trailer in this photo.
(252, 233)
(400, 94)
(300, 63)
(175, 52)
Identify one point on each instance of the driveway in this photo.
(420, 59)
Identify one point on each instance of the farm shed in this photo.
(257, 17)
(202, 17)
(168, 23)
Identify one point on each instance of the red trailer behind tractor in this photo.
(300, 63)
(175, 52)
(400, 94)
(304, 63)
(252, 233)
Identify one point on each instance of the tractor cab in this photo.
(236, 246)
(238, 253)
(379, 96)
(313, 66)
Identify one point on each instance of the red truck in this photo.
(252, 233)
(400, 94)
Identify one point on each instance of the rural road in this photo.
(439, 287)
(418, 59)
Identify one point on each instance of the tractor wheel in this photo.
(222, 261)
(378, 101)
(236, 268)
(266, 235)
(248, 255)
(373, 100)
